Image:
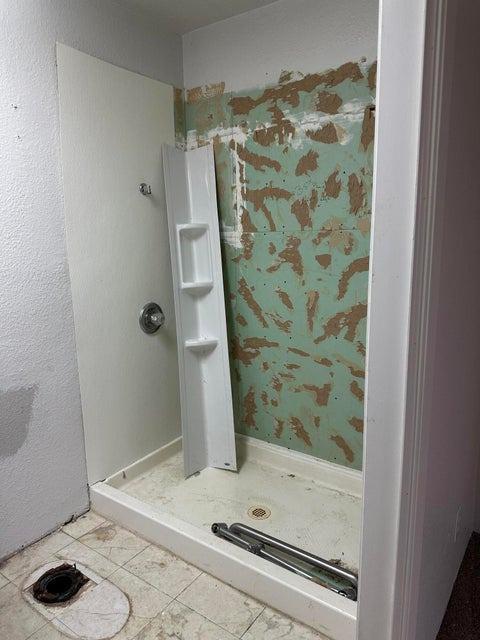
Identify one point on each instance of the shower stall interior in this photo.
(229, 241)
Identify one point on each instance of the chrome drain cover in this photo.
(259, 512)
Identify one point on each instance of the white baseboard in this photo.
(329, 474)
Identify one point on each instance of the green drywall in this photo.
(294, 165)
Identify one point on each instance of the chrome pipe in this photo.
(305, 556)
(235, 532)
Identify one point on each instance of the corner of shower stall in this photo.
(311, 504)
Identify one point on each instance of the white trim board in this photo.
(410, 52)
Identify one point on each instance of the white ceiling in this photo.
(182, 16)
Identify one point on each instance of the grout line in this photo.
(213, 621)
(190, 584)
(253, 621)
(37, 630)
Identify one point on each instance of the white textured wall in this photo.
(42, 458)
(300, 35)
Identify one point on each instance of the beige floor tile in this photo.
(163, 570)
(83, 524)
(49, 632)
(17, 619)
(271, 625)
(113, 542)
(78, 552)
(3, 581)
(24, 562)
(100, 612)
(146, 602)
(181, 623)
(223, 605)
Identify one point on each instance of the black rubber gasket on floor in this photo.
(59, 584)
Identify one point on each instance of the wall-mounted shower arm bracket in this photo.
(145, 189)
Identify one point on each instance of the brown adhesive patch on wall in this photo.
(300, 431)
(332, 185)
(349, 319)
(246, 293)
(285, 299)
(356, 266)
(356, 193)
(239, 352)
(343, 445)
(301, 210)
(325, 362)
(307, 163)
(280, 131)
(355, 370)
(328, 102)
(311, 308)
(250, 408)
(326, 134)
(357, 424)
(368, 127)
(299, 352)
(372, 76)
(277, 384)
(241, 320)
(290, 255)
(279, 427)
(258, 162)
(259, 343)
(196, 94)
(356, 389)
(258, 196)
(324, 260)
(321, 394)
(281, 323)
(246, 221)
(290, 92)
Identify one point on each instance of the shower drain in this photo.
(259, 513)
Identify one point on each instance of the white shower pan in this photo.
(308, 503)
(174, 495)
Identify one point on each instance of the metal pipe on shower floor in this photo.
(235, 534)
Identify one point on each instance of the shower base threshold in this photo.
(312, 504)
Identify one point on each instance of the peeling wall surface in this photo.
(294, 163)
(42, 458)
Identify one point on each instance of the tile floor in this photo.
(169, 599)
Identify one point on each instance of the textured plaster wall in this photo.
(294, 171)
(251, 49)
(42, 458)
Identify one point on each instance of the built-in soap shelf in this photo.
(195, 261)
(197, 288)
(201, 344)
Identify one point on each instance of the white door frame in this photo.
(410, 69)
